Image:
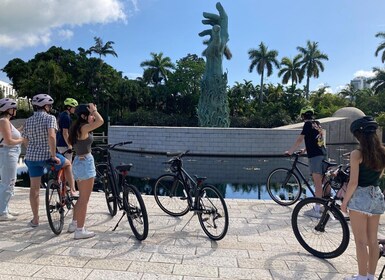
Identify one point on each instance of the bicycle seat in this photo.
(124, 167)
(200, 179)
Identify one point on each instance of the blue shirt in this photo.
(36, 131)
(64, 121)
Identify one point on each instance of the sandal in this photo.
(31, 224)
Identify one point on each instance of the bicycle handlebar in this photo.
(175, 156)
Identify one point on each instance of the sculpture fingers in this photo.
(211, 17)
(205, 32)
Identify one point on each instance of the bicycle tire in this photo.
(212, 214)
(54, 207)
(136, 211)
(324, 237)
(283, 186)
(103, 178)
(170, 195)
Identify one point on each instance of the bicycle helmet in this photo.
(71, 102)
(82, 109)
(41, 100)
(307, 109)
(7, 103)
(365, 125)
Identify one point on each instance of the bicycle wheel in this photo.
(136, 211)
(105, 183)
(325, 235)
(283, 186)
(54, 207)
(170, 195)
(212, 214)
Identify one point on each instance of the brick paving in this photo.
(259, 245)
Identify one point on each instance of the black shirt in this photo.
(314, 141)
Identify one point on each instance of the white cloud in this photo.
(363, 73)
(26, 23)
(132, 76)
(328, 89)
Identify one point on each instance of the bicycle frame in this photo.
(187, 180)
(298, 172)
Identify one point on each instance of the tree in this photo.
(157, 69)
(291, 70)
(378, 82)
(102, 50)
(381, 47)
(262, 58)
(311, 63)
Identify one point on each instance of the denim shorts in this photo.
(36, 168)
(315, 164)
(367, 200)
(84, 167)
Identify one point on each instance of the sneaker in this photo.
(72, 227)
(7, 217)
(354, 277)
(31, 224)
(312, 213)
(13, 213)
(83, 234)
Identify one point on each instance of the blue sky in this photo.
(344, 29)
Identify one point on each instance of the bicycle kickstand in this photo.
(188, 221)
(124, 213)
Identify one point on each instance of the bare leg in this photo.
(359, 224)
(34, 198)
(372, 231)
(69, 176)
(317, 179)
(85, 189)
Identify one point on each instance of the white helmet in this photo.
(7, 103)
(41, 100)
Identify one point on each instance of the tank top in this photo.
(368, 177)
(15, 134)
(83, 147)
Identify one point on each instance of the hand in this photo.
(92, 107)
(56, 159)
(287, 153)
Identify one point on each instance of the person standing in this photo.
(363, 197)
(81, 138)
(40, 139)
(315, 148)
(64, 123)
(10, 148)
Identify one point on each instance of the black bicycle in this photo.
(57, 196)
(178, 193)
(119, 193)
(319, 225)
(285, 185)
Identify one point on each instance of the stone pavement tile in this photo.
(244, 273)
(173, 249)
(56, 260)
(86, 252)
(127, 253)
(233, 243)
(213, 261)
(262, 264)
(153, 267)
(45, 249)
(18, 269)
(115, 275)
(19, 257)
(198, 278)
(220, 252)
(12, 277)
(108, 264)
(316, 266)
(297, 275)
(196, 270)
(166, 258)
(12, 245)
(54, 272)
(150, 276)
(275, 255)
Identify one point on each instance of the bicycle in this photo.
(119, 194)
(325, 235)
(57, 197)
(178, 193)
(284, 184)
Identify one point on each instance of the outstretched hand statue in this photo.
(216, 45)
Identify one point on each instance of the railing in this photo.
(100, 137)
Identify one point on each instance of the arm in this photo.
(5, 129)
(296, 144)
(65, 136)
(355, 159)
(97, 122)
(52, 143)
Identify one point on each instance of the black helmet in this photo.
(82, 109)
(365, 125)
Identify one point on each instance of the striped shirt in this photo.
(36, 131)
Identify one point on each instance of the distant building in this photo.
(359, 83)
(7, 89)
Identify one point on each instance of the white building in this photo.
(7, 89)
(359, 83)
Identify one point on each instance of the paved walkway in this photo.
(259, 245)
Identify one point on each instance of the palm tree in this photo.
(102, 50)
(262, 58)
(157, 69)
(311, 64)
(381, 47)
(378, 82)
(292, 70)
(348, 92)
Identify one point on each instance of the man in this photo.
(316, 151)
(64, 123)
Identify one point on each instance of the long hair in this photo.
(74, 131)
(373, 153)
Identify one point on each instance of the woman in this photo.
(81, 139)
(363, 197)
(10, 142)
